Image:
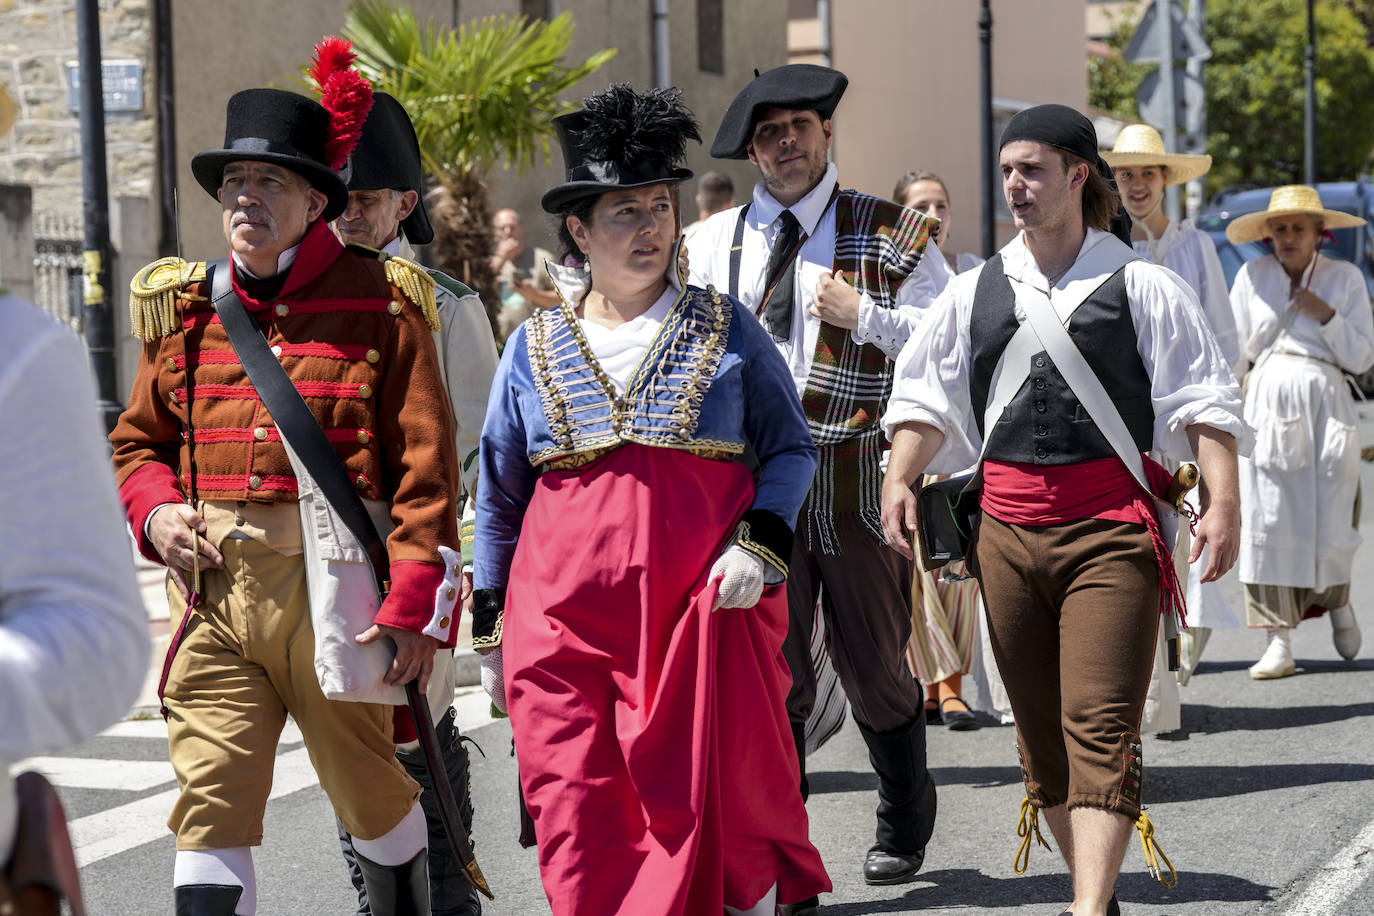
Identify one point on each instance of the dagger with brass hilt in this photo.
(1175, 494)
(1184, 480)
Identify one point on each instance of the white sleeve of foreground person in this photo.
(73, 630)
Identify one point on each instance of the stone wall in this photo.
(37, 41)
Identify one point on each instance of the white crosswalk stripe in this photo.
(121, 827)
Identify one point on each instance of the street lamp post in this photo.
(985, 128)
(98, 320)
(1309, 152)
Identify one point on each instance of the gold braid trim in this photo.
(153, 295)
(494, 640)
(417, 285)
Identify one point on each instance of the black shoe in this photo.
(958, 720)
(1113, 908)
(207, 899)
(932, 711)
(811, 906)
(891, 867)
(906, 802)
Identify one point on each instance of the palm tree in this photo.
(480, 96)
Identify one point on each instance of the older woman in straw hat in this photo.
(1143, 170)
(1304, 319)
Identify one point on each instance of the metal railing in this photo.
(57, 266)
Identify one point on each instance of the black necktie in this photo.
(777, 309)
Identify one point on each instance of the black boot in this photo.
(396, 890)
(906, 802)
(450, 892)
(207, 899)
(799, 739)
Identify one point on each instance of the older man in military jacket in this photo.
(207, 481)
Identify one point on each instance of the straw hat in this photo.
(1285, 201)
(1140, 144)
(7, 111)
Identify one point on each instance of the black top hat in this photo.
(283, 128)
(388, 156)
(622, 139)
(797, 87)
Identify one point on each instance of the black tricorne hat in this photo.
(622, 139)
(798, 87)
(283, 128)
(388, 156)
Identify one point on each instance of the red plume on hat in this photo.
(344, 93)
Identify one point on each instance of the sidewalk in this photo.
(152, 584)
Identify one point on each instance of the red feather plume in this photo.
(344, 93)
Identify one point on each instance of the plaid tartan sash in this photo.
(877, 245)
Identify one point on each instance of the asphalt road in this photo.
(1263, 800)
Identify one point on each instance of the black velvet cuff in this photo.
(767, 537)
(488, 615)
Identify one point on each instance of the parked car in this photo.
(1355, 245)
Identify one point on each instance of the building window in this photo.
(537, 9)
(711, 36)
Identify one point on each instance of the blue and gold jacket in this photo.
(711, 383)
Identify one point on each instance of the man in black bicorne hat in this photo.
(280, 611)
(839, 279)
(1072, 553)
(384, 217)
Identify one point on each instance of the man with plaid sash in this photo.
(839, 279)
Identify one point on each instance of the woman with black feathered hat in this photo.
(629, 567)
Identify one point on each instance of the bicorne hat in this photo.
(388, 156)
(311, 138)
(798, 87)
(622, 139)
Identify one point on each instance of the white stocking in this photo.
(231, 867)
(764, 907)
(400, 844)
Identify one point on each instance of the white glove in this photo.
(493, 678)
(742, 585)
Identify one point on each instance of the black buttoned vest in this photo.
(1044, 423)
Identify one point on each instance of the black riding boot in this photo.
(906, 802)
(450, 892)
(799, 739)
(207, 899)
(396, 890)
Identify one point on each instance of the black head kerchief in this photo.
(388, 156)
(622, 139)
(283, 128)
(798, 87)
(1066, 129)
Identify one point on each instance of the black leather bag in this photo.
(946, 515)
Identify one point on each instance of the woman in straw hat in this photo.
(1143, 170)
(1304, 319)
(629, 567)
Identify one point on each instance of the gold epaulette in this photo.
(417, 285)
(153, 295)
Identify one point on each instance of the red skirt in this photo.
(655, 754)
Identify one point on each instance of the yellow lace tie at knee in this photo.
(1153, 853)
(1028, 826)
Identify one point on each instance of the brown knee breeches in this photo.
(1073, 611)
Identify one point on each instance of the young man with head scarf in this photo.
(1068, 550)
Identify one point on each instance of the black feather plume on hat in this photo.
(650, 129)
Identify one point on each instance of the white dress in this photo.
(1298, 487)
